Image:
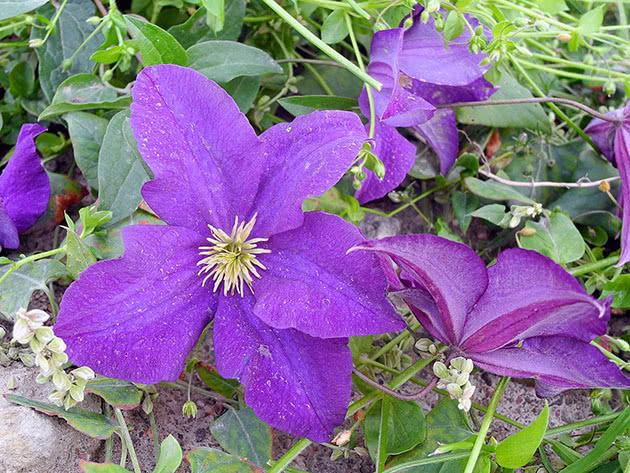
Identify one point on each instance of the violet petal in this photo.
(441, 135)
(450, 272)
(137, 317)
(312, 285)
(301, 159)
(529, 295)
(195, 140)
(9, 237)
(622, 157)
(24, 184)
(398, 156)
(557, 363)
(296, 383)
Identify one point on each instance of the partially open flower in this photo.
(24, 188)
(27, 322)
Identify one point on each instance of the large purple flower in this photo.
(419, 72)
(24, 188)
(613, 140)
(236, 247)
(524, 317)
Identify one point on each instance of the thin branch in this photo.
(581, 184)
(396, 394)
(569, 102)
(310, 61)
(101, 8)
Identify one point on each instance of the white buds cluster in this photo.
(426, 345)
(456, 380)
(50, 358)
(524, 211)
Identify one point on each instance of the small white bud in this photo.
(83, 373)
(342, 438)
(440, 370)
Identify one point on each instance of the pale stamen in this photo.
(232, 259)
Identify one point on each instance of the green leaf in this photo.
(531, 116)
(89, 467)
(212, 379)
(210, 460)
(196, 29)
(406, 427)
(243, 90)
(492, 190)
(78, 255)
(11, 8)
(334, 28)
(519, 448)
(591, 21)
(116, 392)
(21, 78)
(170, 456)
(555, 237)
(454, 26)
(215, 14)
(83, 92)
(156, 45)
(90, 423)
(493, 213)
(223, 61)
(336, 202)
(553, 7)
(71, 31)
(121, 170)
(242, 434)
(303, 104)
(598, 452)
(619, 288)
(86, 132)
(463, 204)
(17, 289)
(444, 424)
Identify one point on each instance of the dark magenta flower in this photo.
(524, 317)
(419, 72)
(236, 247)
(24, 188)
(613, 140)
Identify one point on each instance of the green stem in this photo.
(368, 89)
(86, 41)
(315, 41)
(485, 426)
(590, 267)
(155, 435)
(285, 460)
(127, 439)
(30, 259)
(588, 67)
(421, 196)
(552, 106)
(560, 72)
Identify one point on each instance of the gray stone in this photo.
(32, 442)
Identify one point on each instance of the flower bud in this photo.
(93, 20)
(342, 438)
(66, 64)
(527, 231)
(107, 75)
(423, 344)
(564, 37)
(189, 409)
(35, 43)
(83, 373)
(44, 334)
(440, 370)
(604, 186)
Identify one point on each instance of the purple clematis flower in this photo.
(613, 140)
(524, 317)
(419, 72)
(237, 247)
(24, 188)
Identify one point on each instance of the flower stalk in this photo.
(485, 425)
(323, 47)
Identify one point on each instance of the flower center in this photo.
(232, 259)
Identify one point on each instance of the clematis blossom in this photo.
(523, 317)
(238, 249)
(24, 188)
(419, 72)
(613, 140)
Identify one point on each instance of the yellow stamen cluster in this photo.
(232, 259)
